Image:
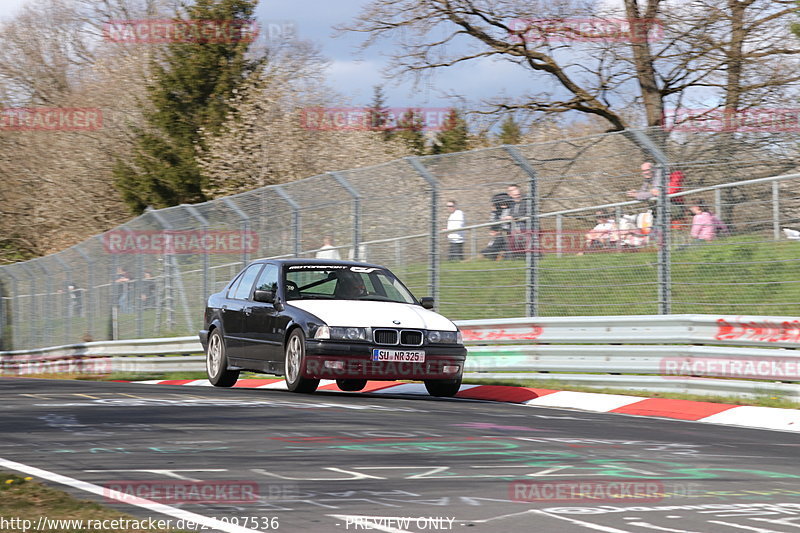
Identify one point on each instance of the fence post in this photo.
(245, 224)
(433, 260)
(662, 219)
(776, 210)
(7, 310)
(295, 218)
(171, 266)
(533, 251)
(87, 305)
(32, 337)
(341, 180)
(204, 224)
(67, 304)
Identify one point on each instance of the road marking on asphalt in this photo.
(589, 525)
(206, 521)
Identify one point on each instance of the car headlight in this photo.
(444, 337)
(341, 334)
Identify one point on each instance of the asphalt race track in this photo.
(333, 462)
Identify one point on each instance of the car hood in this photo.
(374, 314)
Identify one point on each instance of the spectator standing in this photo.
(121, 288)
(327, 251)
(496, 248)
(519, 210)
(651, 182)
(704, 225)
(455, 221)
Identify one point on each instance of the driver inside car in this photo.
(350, 286)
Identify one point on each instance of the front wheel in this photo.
(295, 364)
(217, 362)
(442, 387)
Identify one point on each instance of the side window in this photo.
(242, 292)
(268, 279)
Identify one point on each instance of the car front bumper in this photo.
(341, 360)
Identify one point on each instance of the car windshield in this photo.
(344, 282)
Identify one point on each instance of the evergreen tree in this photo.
(378, 113)
(409, 129)
(510, 132)
(192, 82)
(454, 137)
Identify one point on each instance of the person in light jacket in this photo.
(704, 225)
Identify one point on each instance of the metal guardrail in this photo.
(657, 353)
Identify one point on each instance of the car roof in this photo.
(336, 262)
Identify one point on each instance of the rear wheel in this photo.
(217, 362)
(351, 385)
(295, 364)
(441, 387)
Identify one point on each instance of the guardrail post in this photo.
(663, 224)
(356, 212)
(433, 261)
(295, 218)
(245, 224)
(776, 210)
(533, 250)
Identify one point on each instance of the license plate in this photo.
(412, 356)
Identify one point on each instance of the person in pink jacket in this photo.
(703, 223)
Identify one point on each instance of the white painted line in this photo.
(206, 521)
(588, 525)
(586, 401)
(758, 417)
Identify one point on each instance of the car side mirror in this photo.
(426, 302)
(266, 297)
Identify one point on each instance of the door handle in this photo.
(247, 310)
(224, 308)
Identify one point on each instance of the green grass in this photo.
(23, 498)
(741, 274)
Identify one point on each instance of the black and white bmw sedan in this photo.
(314, 319)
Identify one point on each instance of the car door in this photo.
(263, 338)
(233, 309)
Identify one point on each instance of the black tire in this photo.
(351, 385)
(442, 387)
(217, 362)
(295, 363)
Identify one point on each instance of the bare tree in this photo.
(673, 51)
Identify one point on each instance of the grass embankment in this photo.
(733, 275)
(22, 498)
